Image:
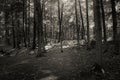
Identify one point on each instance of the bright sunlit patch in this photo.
(66, 46)
(46, 71)
(64, 1)
(51, 77)
(48, 46)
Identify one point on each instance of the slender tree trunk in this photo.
(26, 23)
(42, 30)
(24, 35)
(59, 20)
(39, 10)
(29, 23)
(51, 22)
(18, 34)
(77, 26)
(43, 40)
(83, 29)
(6, 28)
(45, 29)
(13, 30)
(87, 19)
(114, 19)
(97, 19)
(60, 16)
(103, 20)
(34, 29)
(45, 34)
(17, 30)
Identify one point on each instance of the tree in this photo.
(34, 29)
(77, 26)
(24, 35)
(103, 20)
(97, 20)
(17, 16)
(114, 19)
(13, 29)
(45, 29)
(83, 29)
(87, 20)
(39, 22)
(28, 23)
(6, 25)
(60, 18)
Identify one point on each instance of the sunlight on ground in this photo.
(46, 71)
(109, 39)
(64, 1)
(48, 46)
(65, 43)
(51, 77)
(66, 46)
(25, 61)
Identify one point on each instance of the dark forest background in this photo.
(36, 27)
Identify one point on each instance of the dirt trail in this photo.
(54, 66)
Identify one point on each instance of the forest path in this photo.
(68, 65)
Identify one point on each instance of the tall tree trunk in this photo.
(60, 16)
(114, 19)
(28, 22)
(103, 20)
(24, 35)
(77, 26)
(17, 30)
(45, 29)
(34, 29)
(7, 28)
(98, 27)
(87, 19)
(45, 33)
(39, 22)
(42, 32)
(59, 20)
(13, 31)
(37, 4)
(51, 20)
(18, 34)
(83, 29)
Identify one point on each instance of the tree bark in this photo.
(97, 19)
(114, 19)
(29, 23)
(59, 20)
(60, 17)
(24, 35)
(7, 40)
(83, 29)
(103, 21)
(13, 31)
(39, 22)
(87, 19)
(34, 29)
(77, 26)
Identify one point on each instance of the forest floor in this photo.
(72, 64)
